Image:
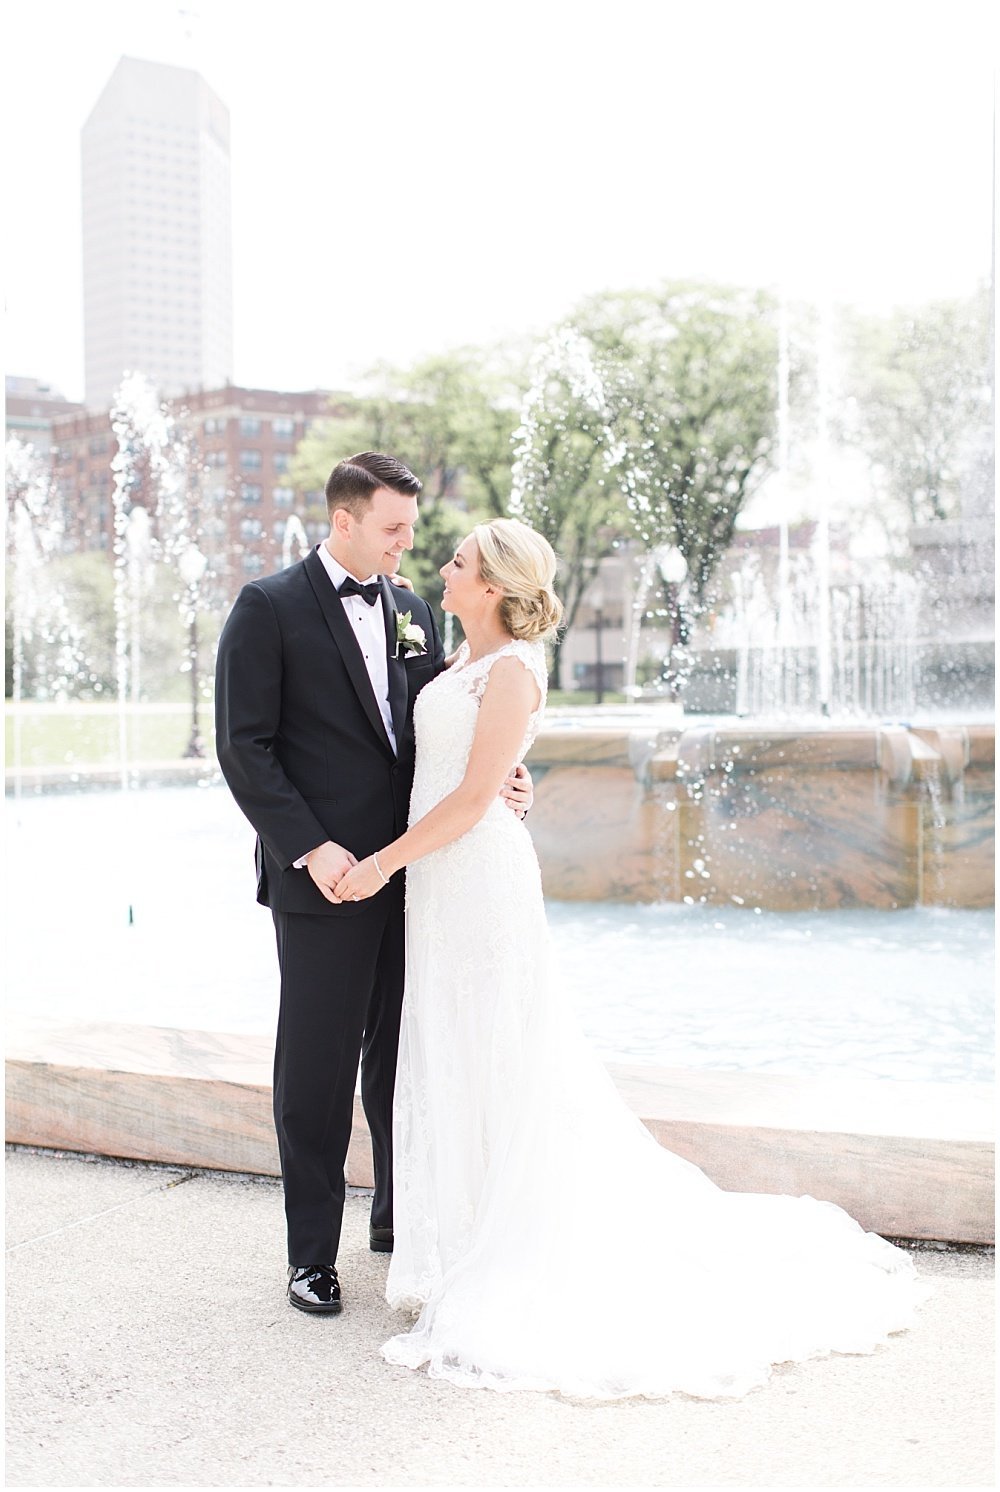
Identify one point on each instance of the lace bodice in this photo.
(445, 718)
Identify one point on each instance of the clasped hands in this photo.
(341, 877)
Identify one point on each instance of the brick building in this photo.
(243, 442)
(82, 481)
(31, 407)
(246, 439)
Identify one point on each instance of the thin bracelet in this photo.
(385, 879)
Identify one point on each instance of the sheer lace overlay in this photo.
(546, 1240)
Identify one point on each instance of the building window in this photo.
(250, 528)
(281, 461)
(250, 460)
(282, 428)
(250, 493)
(214, 426)
(215, 458)
(283, 497)
(252, 564)
(249, 424)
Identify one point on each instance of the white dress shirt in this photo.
(368, 625)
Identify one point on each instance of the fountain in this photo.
(822, 541)
(837, 785)
(293, 536)
(27, 493)
(39, 612)
(857, 657)
(565, 444)
(140, 465)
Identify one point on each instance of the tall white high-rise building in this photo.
(157, 241)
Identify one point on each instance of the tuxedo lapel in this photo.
(343, 635)
(398, 691)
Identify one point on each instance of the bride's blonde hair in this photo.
(522, 565)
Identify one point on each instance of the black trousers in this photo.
(341, 1000)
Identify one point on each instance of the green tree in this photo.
(919, 386)
(693, 385)
(450, 419)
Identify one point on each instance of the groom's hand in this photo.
(518, 792)
(328, 864)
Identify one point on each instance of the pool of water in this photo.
(140, 908)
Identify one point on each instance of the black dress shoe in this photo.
(379, 1240)
(314, 1287)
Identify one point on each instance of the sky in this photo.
(412, 177)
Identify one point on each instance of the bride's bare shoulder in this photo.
(512, 676)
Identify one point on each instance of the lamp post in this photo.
(191, 565)
(597, 603)
(673, 572)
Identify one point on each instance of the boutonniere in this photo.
(409, 637)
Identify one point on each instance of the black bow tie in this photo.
(369, 593)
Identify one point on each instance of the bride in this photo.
(543, 1238)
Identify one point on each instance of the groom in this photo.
(314, 729)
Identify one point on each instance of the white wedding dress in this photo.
(545, 1238)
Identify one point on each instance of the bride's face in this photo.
(465, 591)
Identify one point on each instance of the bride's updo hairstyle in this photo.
(522, 565)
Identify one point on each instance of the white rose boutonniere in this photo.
(409, 637)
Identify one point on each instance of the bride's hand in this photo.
(360, 882)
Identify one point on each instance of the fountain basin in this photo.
(786, 819)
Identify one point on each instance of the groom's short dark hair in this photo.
(353, 483)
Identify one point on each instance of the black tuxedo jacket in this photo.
(300, 738)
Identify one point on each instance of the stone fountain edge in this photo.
(907, 1160)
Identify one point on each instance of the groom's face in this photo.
(378, 540)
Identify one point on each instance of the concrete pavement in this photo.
(150, 1345)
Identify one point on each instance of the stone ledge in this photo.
(912, 1160)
